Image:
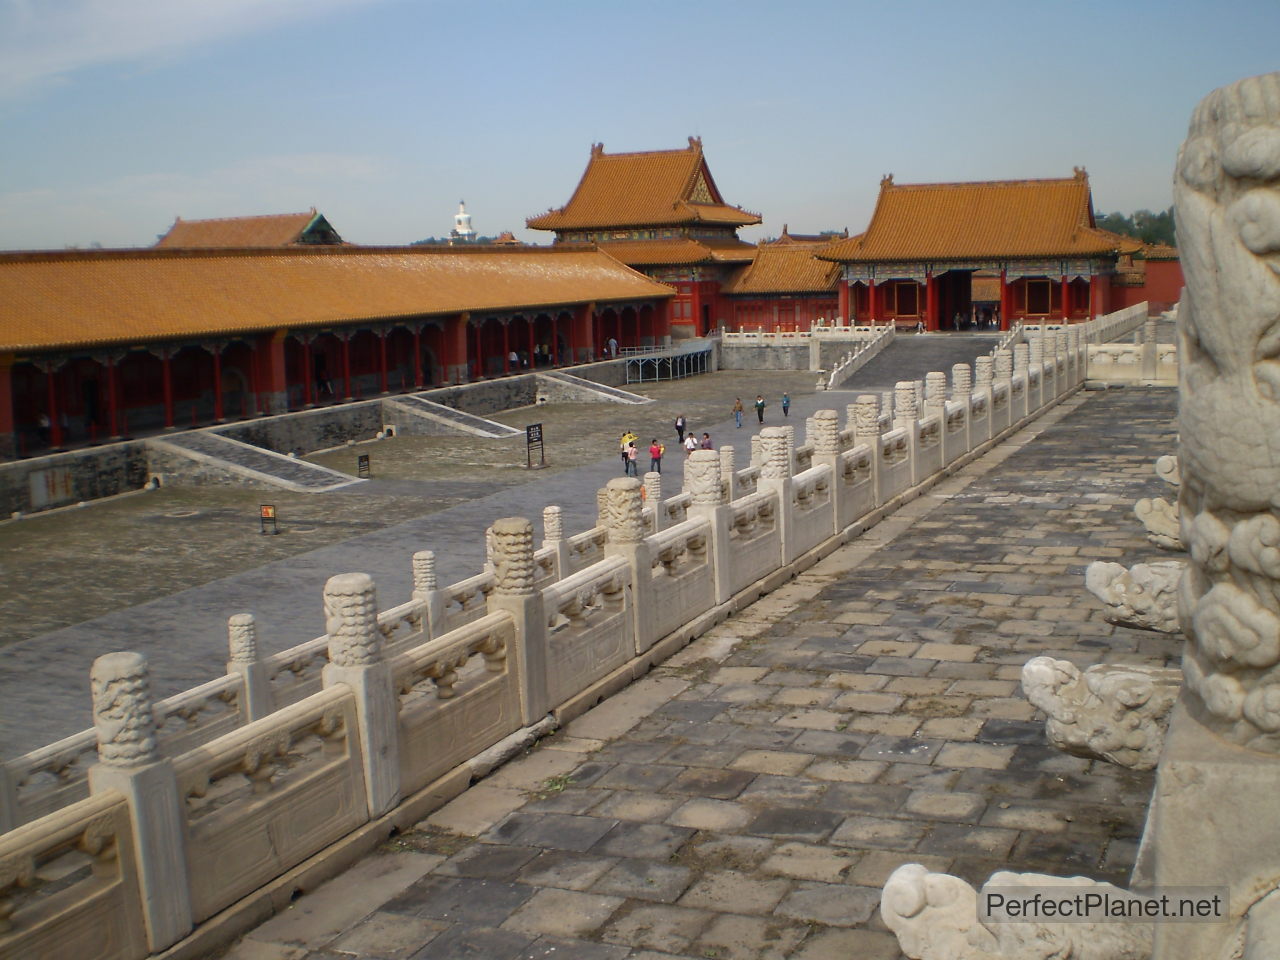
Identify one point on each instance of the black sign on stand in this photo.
(533, 438)
(362, 466)
(267, 519)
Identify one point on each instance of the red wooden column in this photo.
(1066, 295)
(55, 428)
(456, 362)
(532, 344)
(1004, 299)
(166, 371)
(871, 301)
(931, 321)
(382, 361)
(216, 350)
(417, 355)
(584, 323)
(845, 300)
(113, 403)
(308, 362)
(270, 351)
(8, 429)
(346, 364)
(696, 306)
(1094, 287)
(506, 346)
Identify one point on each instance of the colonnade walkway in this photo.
(748, 798)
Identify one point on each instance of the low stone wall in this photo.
(234, 785)
(60, 479)
(765, 356)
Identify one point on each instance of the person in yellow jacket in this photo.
(628, 438)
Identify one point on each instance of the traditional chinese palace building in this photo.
(661, 213)
(96, 344)
(952, 255)
(275, 230)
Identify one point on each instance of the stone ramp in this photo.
(910, 357)
(452, 419)
(600, 390)
(206, 451)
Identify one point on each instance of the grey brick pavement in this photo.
(748, 798)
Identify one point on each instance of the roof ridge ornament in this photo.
(597, 149)
(886, 181)
(1080, 173)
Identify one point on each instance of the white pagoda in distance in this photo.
(462, 232)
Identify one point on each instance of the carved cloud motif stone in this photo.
(1143, 596)
(1110, 711)
(1161, 518)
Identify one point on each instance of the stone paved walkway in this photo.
(747, 799)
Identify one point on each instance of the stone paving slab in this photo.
(688, 822)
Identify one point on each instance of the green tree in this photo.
(1146, 226)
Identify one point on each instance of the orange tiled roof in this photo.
(80, 299)
(644, 189)
(961, 221)
(1158, 251)
(277, 230)
(785, 268)
(655, 252)
(789, 237)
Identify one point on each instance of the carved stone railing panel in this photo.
(403, 626)
(855, 480)
(294, 674)
(587, 548)
(813, 516)
(755, 539)
(681, 577)
(458, 695)
(262, 799)
(464, 602)
(69, 885)
(955, 430)
(589, 627)
(677, 508)
(894, 451)
(748, 480)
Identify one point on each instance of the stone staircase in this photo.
(910, 357)
(207, 453)
(454, 420)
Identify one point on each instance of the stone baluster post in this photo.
(935, 392)
(653, 498)
(1021, 357)
(790, 433)
(355, 659)
(906, 416)
(602, 507)
(756, 452)
(865, 418)
(961, 382)
(728, 473)
(1149, 349)
(245, 658)
(129, 762)
(1035, 365)
(983, 378)
(887, 398)
(553, 537)
(825, 437)
(1003, 361)
(706, 492)
(1062, 358)
(426, 590)
(514, 593)
(775, 477)
(626, 539)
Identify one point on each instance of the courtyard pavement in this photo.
(748, 798)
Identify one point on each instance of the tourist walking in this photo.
(656, 450)
(706, 442)
(632, 468)
(628, 438)
(690, 444)
(680, 424)
(737, 412)
(786, 404)
(760, 407)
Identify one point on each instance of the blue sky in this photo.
(118, 115)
